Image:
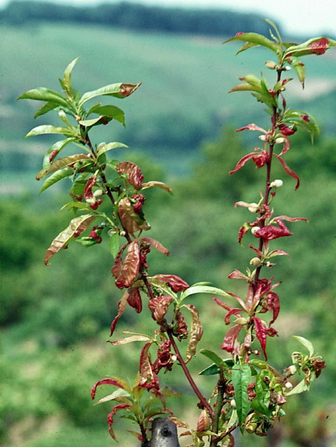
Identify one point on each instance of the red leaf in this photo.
(134, 300)
(288, 170)
(110, 417)
(261, 332)
(130, 267)
(157, 245)
(260, 158)
(88, 194)
(133, 171)
(319, 46)
(270, 232)
(104, 382)
(234, 311)
(176, 283)
(285, 130)
(121, 309)
(159, 305)
(236, 274)
(116, 269)
(129, 218)
(230, 338)
(252, 127)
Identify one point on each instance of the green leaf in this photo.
(301, 387)
(45, 94)
(46, 108)
(210, 370)
(111, 111)
(262, 400)
(114, 244)
(58, 146)
(62, 163)
(306, 343)
(192, 290)
(77, 225)
(67, 74)
(212, 356)
(56, 177)
(241, 378)
(117, 90)
(48, 129)
(102, 148)
(299, 67)
(116, 395)
(256, 40)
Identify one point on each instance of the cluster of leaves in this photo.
(108, 202)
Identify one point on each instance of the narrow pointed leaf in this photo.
(212, 356)
(48, 129)
(156, 244)
(110, 111)
(241, 378)
(117, 90)
(67, 75)
(77, 225)
(46, 108)
(203, 289)
(56, 177)
(45, 94)
(306, 343)
(102, 148)
(255, 39)
(114, 244)
(157, 185)
(62, 163)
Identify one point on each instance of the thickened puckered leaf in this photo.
(230, 338)
(62, 163)
(288, 170)
(156, 184)
(77, 225)
(54, 150)
(117, 90)
(261, 332)
(196, 332)
(159, 305)
(131, 221)
(145, 368)
(156, 244)
(130, 266)
(110, 417)
(176, 283)
(241, 378)
(130, 339)
(255, 40)
(317, 45)
(133, 172)
(45, 94)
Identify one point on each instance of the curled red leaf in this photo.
(231, 338)
(121, 309)
(110, 418)
(133, 172)
(107, 381)
(130, 267)
(134, 300)
(261, 332)
(288, 170)
(159, 305)
(176, 283)
(259, 157)
(157, 245)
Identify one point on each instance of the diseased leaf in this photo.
(56, 177)
(133, 172)
(157, 245)
(121, 308)
(117, 90)
(159, 305)
(110, 418)
(110, 111)
(316, 45)
(196, 332)
(176, 283)
(156, 184)
(130, 220)
(62, 163)
(77, 225)
(116, 395)
(241, 378)
(130, 267)
(125, 341)
(145, 368)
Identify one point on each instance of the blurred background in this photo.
(180, 129)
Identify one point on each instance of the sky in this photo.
(297, 17)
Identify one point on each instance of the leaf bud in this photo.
(253, 207)
(276, 183)
(254, 230)
(242, 321)
(263, 138)
(279, 140)
(97, 193)
(289, 386)
(287, 68)
(271, 65)
(255, 262)
(292, 369)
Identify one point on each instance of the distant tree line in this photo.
(211, 22)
